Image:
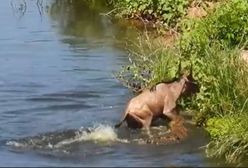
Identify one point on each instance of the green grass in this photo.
(230, 138)
(167, 12)
(228, 25)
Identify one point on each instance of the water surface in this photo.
(58, 96)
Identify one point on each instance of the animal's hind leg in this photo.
(134, 121)
(147, 124)
(148, 132)
(141, 119)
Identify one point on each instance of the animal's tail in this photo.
(119, 124)
(122, 120)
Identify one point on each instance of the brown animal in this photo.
(159, 101)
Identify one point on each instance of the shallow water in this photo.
(58, 96)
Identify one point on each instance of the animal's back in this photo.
(147, 99)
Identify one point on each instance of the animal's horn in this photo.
(191, 70)
(179, 68)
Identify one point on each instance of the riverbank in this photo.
(212, 41)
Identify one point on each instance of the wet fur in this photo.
(154, 103)
(157, 102)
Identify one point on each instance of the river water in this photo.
(59, 98)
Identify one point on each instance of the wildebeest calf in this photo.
(159, 101)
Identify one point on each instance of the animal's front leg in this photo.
(178, 128)
(170, 111)
(170, 108)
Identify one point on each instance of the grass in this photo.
(232, 142)
(167, 12)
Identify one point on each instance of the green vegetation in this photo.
(230, 134)
(166, 12)
(213, 45)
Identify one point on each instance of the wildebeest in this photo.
(159, 101)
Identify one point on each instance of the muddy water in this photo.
(59, 99)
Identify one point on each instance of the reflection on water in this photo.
(56, 75)
(75, 18)
(88, 20)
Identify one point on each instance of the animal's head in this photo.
(191, 86)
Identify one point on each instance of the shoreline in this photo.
(213, 42)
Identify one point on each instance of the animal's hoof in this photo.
(149, 141)
(88, 130)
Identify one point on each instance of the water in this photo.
(58, 96)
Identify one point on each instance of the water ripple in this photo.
(60, 107)
(74, 94)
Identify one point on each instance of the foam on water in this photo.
(100, 133)
(15, 144)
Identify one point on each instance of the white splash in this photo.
(15, 144)
(99, 134)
